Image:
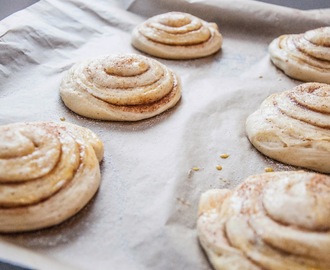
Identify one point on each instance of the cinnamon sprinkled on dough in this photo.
(177, 35)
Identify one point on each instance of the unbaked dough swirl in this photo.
(294, 127)
(48, 172)
(120, 88)
(271, 221)
(177, 35)
(305, 57)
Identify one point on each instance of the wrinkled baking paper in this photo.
(144, 215)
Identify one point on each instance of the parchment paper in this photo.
(144, 215)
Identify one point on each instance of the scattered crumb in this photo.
(269, 169)
(224, 155)
(62, 118)
(195, 169)
(219, 167)
(260, 77)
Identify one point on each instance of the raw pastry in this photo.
(272, 221)
(305, 57)
(177, 35)
(48, 172)
(120, 88)
(294, 127)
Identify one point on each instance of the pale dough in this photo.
(177, 35)
(305, 57)
(271, 221)
(48, 172)
(127, 87)
(294, 127)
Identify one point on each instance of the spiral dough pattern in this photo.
(305, 57)
(271, 221)
(120, 88)
(177, 35)
(48, 172)
(294, 127)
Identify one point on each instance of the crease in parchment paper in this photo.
(144, 215)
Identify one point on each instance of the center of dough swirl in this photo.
(27, 153)
(303, 202)
(316, 97)
(320, 37)
(177, 20)
(125, 67)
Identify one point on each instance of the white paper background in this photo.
(144, 214)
